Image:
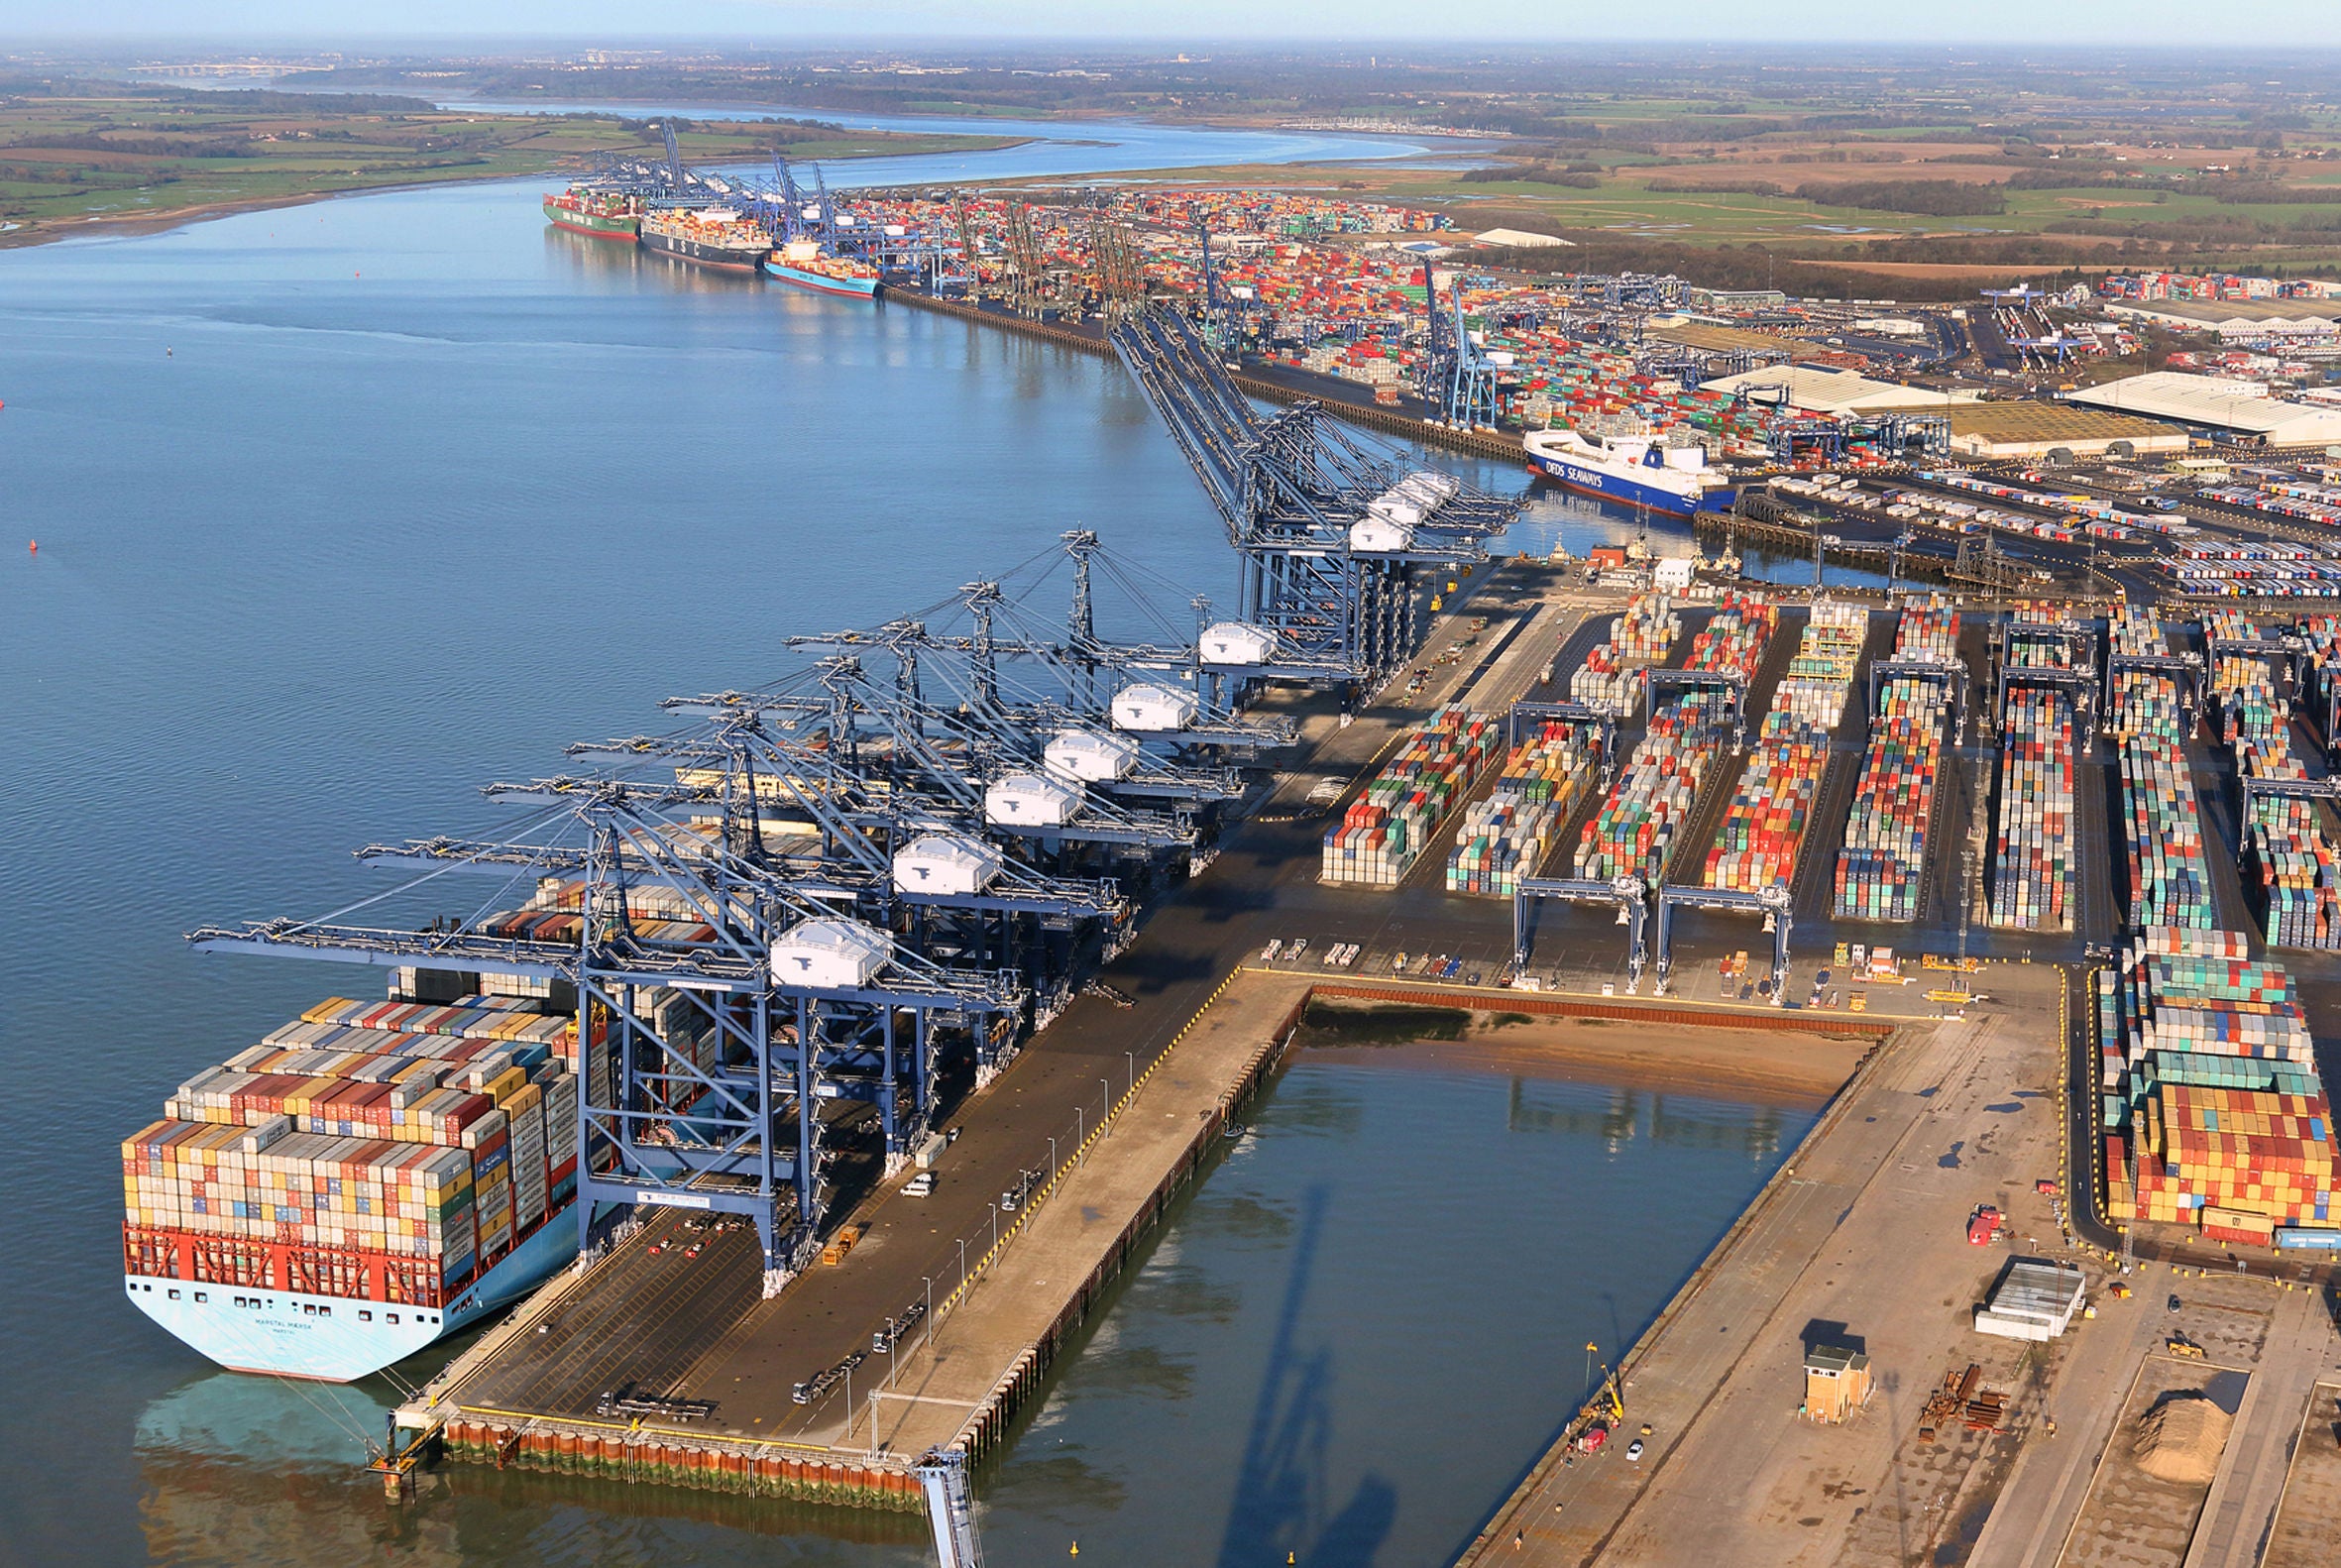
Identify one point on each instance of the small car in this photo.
(1634, 1450)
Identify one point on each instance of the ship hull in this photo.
(1584, 480)
(593, 225)
(699, 253)
(339, 1339)
(842, 288)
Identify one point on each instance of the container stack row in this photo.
(2169, 880)
(2288, 851)
(359, 1152)
(1394, 819)
(1764, 824)
(1508, 834)
(1634, 834)
(1882, 864)
(2031, 854)
(1610, 678)
(1734, 640)
(1821, 671)
(2216, 1117)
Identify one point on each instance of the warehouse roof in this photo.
(2239, 318)
(2212, 402)
(2019, 428)
(1819, 391)
(1520, 237)
(2243, 310)
(1719, 339)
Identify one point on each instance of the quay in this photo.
(696, 1327)
(1345, 402)
(992, 1340)
(1113, 1108)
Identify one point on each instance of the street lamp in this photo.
(1130, 1057)
(996, 1208)
(1108, 1085)
(962, 1260)
(1052, 1157)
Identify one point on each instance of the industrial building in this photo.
(2240, 319)
(1837, 1383)
(2017, 429)
(2034, 1299)
(2239, 410)
(1522, 239)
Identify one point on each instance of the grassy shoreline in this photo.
(93, 163)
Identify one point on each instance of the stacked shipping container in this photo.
(2168, 879)
(1634, 832)
(1821, 672)
(2298, 869)
(1610, 679)
(1878, 870)
(1390, 824)
(1508, 834)
(2216, 1114)
(2032, 871)
(1765, 822)
(360, 1152)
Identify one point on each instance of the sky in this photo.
(2245, 23)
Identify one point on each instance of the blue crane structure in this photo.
(1335, 542)
(810, 897)
(1457, 377)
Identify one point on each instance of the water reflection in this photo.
(1622, 1116)
(255, 1472)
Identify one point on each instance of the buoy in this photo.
(35, 547)
(1076, 1549)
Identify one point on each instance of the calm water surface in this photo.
(344, 510)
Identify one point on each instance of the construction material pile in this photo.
(2181, 1439)
(1390, 824)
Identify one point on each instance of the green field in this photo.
(66, 161)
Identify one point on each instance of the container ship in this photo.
(802, 263)
(596, 214)
(1632, 470)
(368, 1179)
(716, 238)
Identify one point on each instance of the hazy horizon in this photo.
(2241, 26)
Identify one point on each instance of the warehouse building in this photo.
(2254, 320)
(2237, 410)
(2042, 429)
(2035, 1300)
